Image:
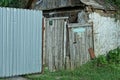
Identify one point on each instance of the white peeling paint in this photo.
(79, 30)
(106, 33)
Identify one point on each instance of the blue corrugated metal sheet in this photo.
(20, 42)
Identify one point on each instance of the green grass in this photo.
(85, 72)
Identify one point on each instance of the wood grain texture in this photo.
(55, 43)
(79, 42)
(66, 47)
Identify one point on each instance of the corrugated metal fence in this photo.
(20, 42)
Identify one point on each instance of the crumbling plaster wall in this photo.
(106, 31)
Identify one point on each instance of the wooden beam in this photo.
(29, 4)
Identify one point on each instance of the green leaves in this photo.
(13, 3)
(114, 56)
(100, 60)
(115, 2)
(5, 3)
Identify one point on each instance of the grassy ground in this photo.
(85, 72)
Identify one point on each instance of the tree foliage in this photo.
(5, 2)
(115, 2)
(13, 3)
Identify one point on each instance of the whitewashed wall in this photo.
(106, 33)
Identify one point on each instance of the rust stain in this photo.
(91, 52)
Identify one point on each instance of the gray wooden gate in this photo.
(80, 40)
(20, 42)
(55, 40)
(66, 45)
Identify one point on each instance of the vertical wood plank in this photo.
(43, 38)
(78, 51)
(53, 44)
(56, 45)
(50, 49)
(72, 49)
(47, 41)
(65, 34)
(61, 45)
(87, 42)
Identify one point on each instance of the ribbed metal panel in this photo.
(20, 42)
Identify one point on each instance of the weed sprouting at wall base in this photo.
(113, 56)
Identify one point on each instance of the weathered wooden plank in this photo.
(62, 46)
(78, 25)
(77, 51)
(80, 49)
(46, 42)
(47, 45)
(85, 52)
(72, 49)
(91, 44)
(65, 33)
(73, 54)
(67, 57)
(56, 4)
(63, 50)
(50, 49)
(75, 48)
(56, 45)
(86, 46)
(43, 42)
(53, 43)
(58, 18)
(91, 37)
(87, 42)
